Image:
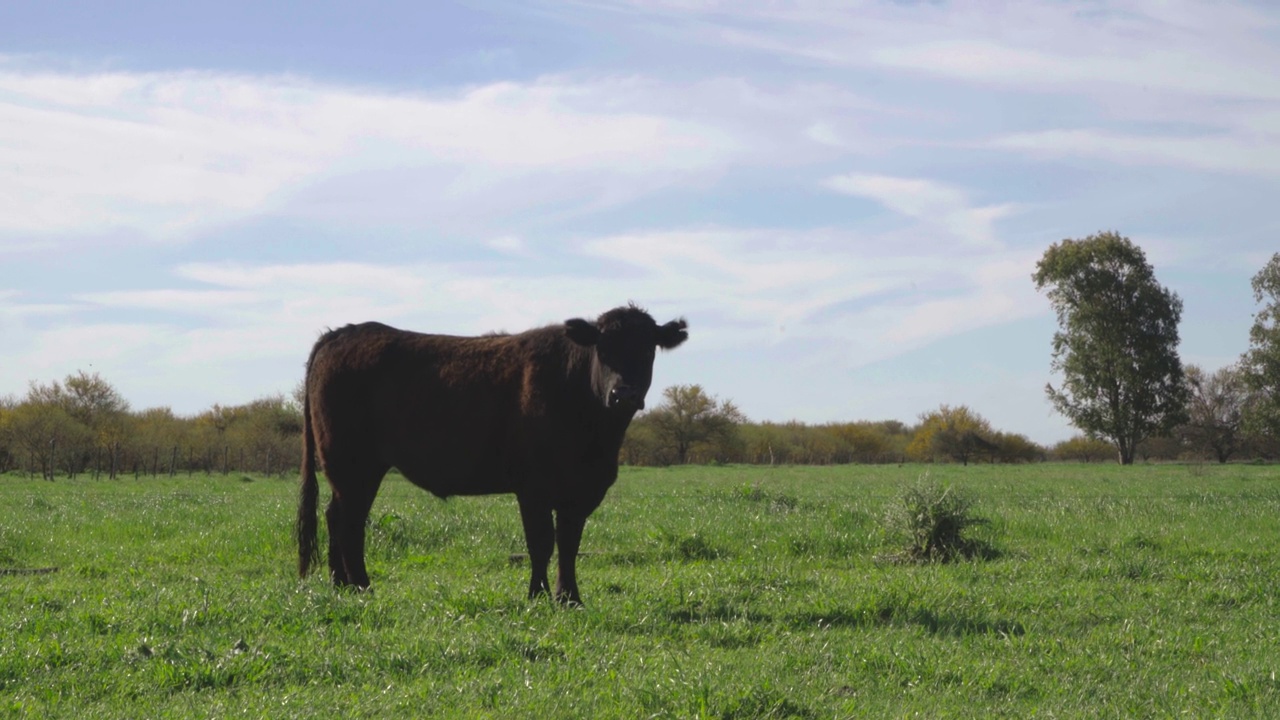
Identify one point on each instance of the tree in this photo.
(1082, 448)
(46, 433)
(957, 433)
(1216, 411)
(1160, 447)
(767, 443)
(91, 399)
(689, 418)
(7, 450)
(1015, 448)
(1261, 362)
(1117, 346)
(864, 442)
(92, 403)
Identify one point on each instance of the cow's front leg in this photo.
(568, 537)
(540, 538)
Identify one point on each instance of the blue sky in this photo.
(845, 199)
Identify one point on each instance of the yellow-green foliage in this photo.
(950, 433)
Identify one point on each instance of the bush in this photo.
(930, 520)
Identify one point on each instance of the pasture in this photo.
(732, 592)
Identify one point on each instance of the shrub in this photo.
(930, 521)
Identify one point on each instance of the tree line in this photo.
(82, 425)
(691, 426)
(1122, 384)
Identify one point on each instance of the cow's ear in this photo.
(672, 334)
(581, 332)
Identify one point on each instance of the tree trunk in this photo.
(1126, 451)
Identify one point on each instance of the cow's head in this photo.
(624, 341)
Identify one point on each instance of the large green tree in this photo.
(1261, 363)
(1117, 343)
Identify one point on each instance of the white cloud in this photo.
(166, 152)
(743, 290)
(824, 133)
(510, 245)
(170, 300)
(1089, 71)
(854, 294)
(1125, 68)
(1254, 156)
(932, 203)
(1192, 46)
(13, 306)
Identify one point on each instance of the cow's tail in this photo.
(308, 551)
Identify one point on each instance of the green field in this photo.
(735, 592)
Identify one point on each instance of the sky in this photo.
(845, 199)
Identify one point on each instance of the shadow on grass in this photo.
(967, 550)
(718, 612)
(934, 623)
(764, 703)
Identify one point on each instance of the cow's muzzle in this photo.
(626, 397)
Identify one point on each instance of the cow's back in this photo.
(438, 408)
(449, 412)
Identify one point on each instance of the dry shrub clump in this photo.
(928, 522)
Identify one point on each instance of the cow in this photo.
(540, 414)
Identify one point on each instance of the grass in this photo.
(736, 592)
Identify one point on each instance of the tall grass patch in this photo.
(929, 522)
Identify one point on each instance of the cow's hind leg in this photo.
(335, 520)
(540, 538)
(347, 514)
(353, 545)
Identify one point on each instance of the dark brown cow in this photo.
(540, 414)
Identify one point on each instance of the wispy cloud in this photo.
(935, 204)
(1131, 67)
(1189, 72)
(166, 152)
(743, 289)
(776, 286)
(1258, 155)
